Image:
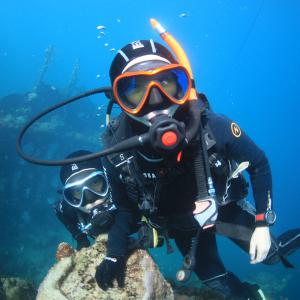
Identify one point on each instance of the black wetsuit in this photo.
(172, 186)
(80, 224)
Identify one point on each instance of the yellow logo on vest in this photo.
(236, 130)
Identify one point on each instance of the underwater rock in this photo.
(73, 277)
(16, 289)
(51, 286)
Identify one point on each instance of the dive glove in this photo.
(111, 268)
(260, 244)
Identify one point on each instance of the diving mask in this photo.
(132, 88)
(91, 186)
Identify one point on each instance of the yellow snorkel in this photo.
(178, 51)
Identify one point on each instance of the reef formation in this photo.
(13, 288)
(64, 250)
(73, 278)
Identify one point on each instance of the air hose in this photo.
(133, 142)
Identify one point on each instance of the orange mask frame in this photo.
(151, 84)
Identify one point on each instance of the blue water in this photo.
(245, 57)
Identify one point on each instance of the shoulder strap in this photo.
(117, 130)
(209, 137)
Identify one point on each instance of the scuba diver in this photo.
(160, 183)
(175, 171)
(86, 208)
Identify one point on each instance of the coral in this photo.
(73, 278)
(12, 121)
(31, 96)
(47, 126)
(64, 250)
(2, 295)
(16, 289)
(49, 289)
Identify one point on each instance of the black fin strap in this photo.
(286, 263)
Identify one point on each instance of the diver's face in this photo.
(156, 100)
(88, 189)
(167, 81)
(92, 205)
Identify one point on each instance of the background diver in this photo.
(86, 207)
(151, 87)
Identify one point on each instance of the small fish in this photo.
(106, 44)
(98, 75)
(102, 32)
(183, 15)
(112, 49)
(102, 125)
(100, 27)
(118, 20)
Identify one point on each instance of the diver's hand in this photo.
(111, 268)
(260, 244)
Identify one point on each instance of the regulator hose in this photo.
(130, 143)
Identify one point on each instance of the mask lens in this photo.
(86, 190)
(73, 195)
(178, 78)
(132, 89)
(97, 184)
